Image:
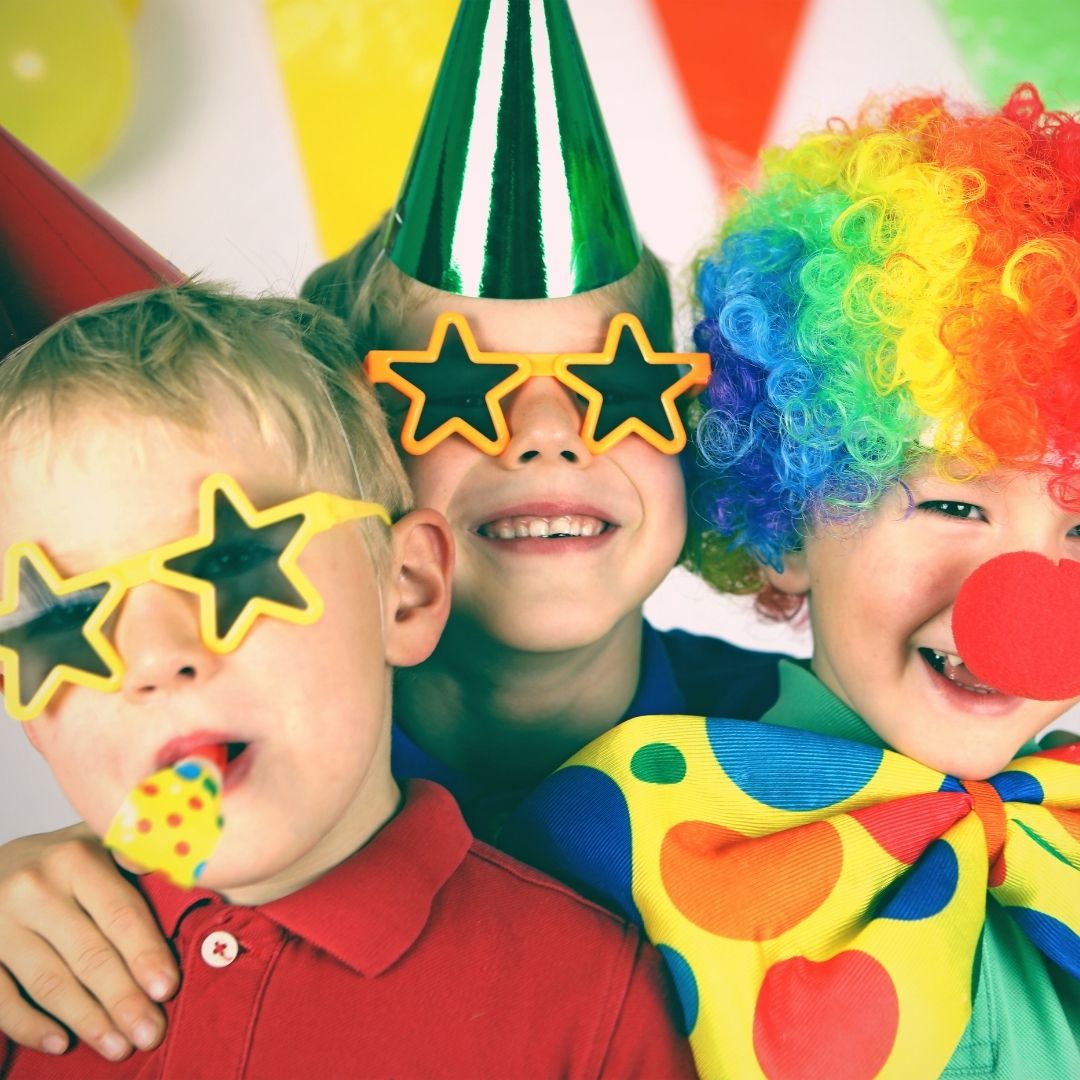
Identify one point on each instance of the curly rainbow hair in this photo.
(902, 289)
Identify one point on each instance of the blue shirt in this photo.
(680, 673)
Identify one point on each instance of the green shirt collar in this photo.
(805, 702)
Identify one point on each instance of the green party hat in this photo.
(513, 191)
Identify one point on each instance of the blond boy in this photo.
(342, 925)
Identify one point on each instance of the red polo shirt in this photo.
(425, 954)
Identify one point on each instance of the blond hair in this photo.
(169, 353)
(375, 298)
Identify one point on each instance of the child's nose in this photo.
(545, 424)
(157, 636)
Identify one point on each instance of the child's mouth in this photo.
(952, 668)
(535, 527)
(237, 763)
(234, 749)
(231, 755)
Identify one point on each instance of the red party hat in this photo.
(59, 251)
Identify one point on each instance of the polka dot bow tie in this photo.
(817, 900)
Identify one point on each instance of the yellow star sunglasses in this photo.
(241, 563)
(454, 388)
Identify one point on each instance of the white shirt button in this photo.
(220, 949)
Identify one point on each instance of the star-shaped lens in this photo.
(44, 633)
(242, 563)
(452, 387)
(632, 389)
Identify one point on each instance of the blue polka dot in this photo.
(1052, 936)
(197, 873)
(189, 770)
(682, 976)
(789, 769)
(927, 887)
(576, 826)
(1017, 787)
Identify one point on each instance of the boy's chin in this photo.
(977, 764)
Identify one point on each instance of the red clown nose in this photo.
(1017, 625)
(59, 251)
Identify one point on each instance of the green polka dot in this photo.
(658, 763)
(210, 785)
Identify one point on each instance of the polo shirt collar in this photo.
(658, 690)
(369, 910)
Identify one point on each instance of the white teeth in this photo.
(529, 527)
(954, 659)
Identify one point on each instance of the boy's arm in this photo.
(646, 1041)
(82, 944)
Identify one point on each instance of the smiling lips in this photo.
(531, 526)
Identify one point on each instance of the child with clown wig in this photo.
(879, 878)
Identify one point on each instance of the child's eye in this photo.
(230, 560)
(949, 508)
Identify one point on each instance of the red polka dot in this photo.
(741, 888)
(173, 820)
(906, 827)
(195, 802)
(149, 789)
(182, 848)
(837, 1018)
(144, 825)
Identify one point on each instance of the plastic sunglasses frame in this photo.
(379, 366)
(320, 510)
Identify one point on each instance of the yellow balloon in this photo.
(130, 8)
(66, 72)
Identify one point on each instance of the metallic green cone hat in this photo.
(513, 191)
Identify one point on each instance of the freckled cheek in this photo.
(657, 478)
(436, 476)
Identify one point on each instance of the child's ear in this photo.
(794, 579)
(418, 594)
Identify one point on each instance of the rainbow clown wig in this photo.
(901, 290)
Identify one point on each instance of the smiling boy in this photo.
(867, 883)
(341, 925)
(564, 527)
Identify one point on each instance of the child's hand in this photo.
(82, 944)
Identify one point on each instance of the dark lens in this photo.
(47, 630)
(242, 563)
(454, 386)
(630, 387)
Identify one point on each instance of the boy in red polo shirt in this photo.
(202, 587)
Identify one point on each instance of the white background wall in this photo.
(208, 174)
